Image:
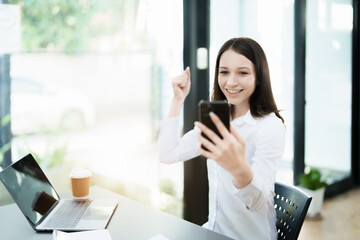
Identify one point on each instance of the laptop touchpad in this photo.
(97, 213)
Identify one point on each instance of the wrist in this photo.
(176, 106)
(243, 177)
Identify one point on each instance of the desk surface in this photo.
(131, 220)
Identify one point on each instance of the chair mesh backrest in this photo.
(291, 206)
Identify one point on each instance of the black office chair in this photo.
(291, 206)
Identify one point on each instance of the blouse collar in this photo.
(247, 118)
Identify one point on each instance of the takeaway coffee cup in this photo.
(80, 183)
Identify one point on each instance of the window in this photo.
(271, 24)
(90, 87)
(328, 86)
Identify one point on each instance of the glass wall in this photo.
(271, 24)
(328, 86)
(89, 87)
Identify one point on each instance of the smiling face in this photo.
(236, 79)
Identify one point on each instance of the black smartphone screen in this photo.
(220, 108)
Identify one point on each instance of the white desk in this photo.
(131, 221)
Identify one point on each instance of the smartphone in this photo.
(220, 108)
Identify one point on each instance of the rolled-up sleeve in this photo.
(269, 147)
(173, 148)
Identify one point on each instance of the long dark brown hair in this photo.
(262, 101)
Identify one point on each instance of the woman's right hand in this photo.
(181, 85)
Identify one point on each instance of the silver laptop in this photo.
(42, 206)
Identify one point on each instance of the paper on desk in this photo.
(158, 237)
(88, 235)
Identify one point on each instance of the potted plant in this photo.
(313, 183)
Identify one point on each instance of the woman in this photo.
(242, 164)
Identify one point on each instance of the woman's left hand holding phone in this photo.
(181, 87)
(229, 152)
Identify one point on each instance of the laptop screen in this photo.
(30, 188)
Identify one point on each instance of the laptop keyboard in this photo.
(68, 214)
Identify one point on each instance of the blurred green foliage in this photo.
(167, 186)
(54, 152)
(70, 25)
(4, 122)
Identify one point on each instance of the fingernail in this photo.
(211, 113)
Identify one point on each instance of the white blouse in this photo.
(245, 213)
